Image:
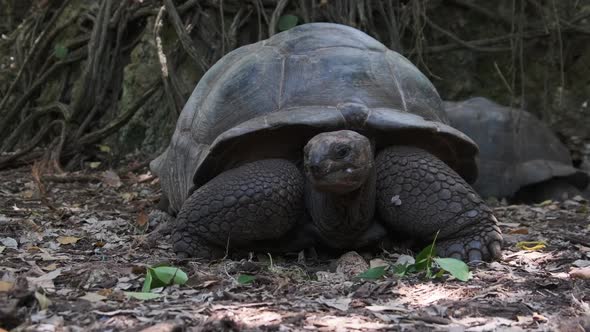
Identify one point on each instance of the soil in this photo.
(71, 246)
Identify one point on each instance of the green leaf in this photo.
(162, 276)
(60, 51)
(170, 275)
(142, 295)
(439, 274)
(286, 22)
(147, 283)
(402, 269)
(424, 258)
(374, 273)
(245, 279)
(455, 267)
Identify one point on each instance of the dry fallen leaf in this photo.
(45, 281)
(405, 260)
(50, 267)
(509, 224)
(94, 164)
(539, 318)
(104, 148)
(128, 196)
(389, 307)
(145, 177)
(208, 283)
(67, 239)
(531, 245)
(582, 248)
(9, 242)
(580, 273)
(142, 219)
(376, 262)
(5, 286)
(34, 249)
(106, 292)
(341, 303)
(519, 231)
(111, 179)
(351, 263)
(93, 297)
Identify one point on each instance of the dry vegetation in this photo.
(74, 73)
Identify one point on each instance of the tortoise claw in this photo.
(485, 245)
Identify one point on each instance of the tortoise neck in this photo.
(342, 218)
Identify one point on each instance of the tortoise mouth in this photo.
(342, 180)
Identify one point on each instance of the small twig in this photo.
(221, 17)
(471, 5)
(239, 20)
(503, 78)
(460, 41)
(274, 19)
(36, 171)
(560, 44)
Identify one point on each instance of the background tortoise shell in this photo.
(516, 148)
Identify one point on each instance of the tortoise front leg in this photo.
(418, 195)
(258, 201)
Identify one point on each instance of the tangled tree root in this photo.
(62, 69)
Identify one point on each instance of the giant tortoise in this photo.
(320, 136)
(520, 157)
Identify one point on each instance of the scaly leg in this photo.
(258, 201)
(418, 195)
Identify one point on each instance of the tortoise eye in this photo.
(342, 151)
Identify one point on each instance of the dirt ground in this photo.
(71, 246)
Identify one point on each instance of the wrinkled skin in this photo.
(346, 197)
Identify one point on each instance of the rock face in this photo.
(517, 151)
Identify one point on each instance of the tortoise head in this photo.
(338, 161)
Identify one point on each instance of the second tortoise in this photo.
(520, 157)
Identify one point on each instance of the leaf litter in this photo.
(73, 256)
